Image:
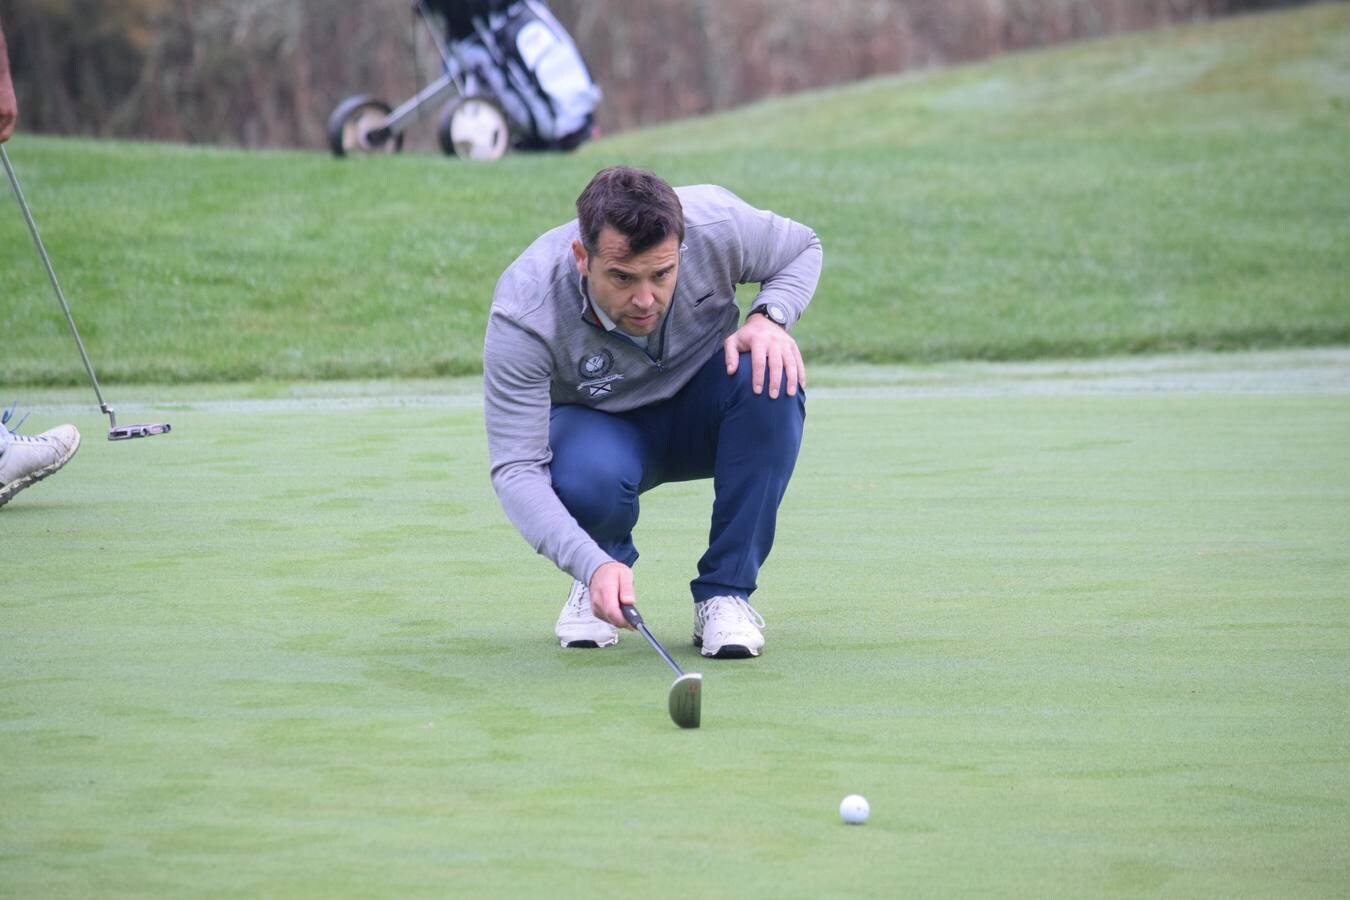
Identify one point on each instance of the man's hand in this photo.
(9, 107)
(770, 347)
(611, 585)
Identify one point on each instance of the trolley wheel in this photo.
(357, 125)
(474, 127)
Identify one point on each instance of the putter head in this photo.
(127, 432)
(686, 700)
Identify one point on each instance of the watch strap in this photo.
(764, 309)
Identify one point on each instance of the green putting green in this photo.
(1071, 632)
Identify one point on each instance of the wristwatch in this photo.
(773, 312)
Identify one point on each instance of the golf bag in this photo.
(519, 79)
(526, 60)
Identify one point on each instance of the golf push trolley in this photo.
(512, 77)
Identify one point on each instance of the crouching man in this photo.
(615, 361)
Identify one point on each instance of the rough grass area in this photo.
(1173, 190)
(1068, 645)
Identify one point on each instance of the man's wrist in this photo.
(594, 563)
(774, 312)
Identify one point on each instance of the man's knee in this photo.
(599, 490)
(771, 409)
(596, 471)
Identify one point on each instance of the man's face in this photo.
(634, 291)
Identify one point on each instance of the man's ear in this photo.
(582, 257)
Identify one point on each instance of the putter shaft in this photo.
(51, 276)
(115, 432)
(635, 619)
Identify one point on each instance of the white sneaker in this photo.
(25, 460)
(728, 628)
(578, 625)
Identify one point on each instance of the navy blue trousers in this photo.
(716, 427)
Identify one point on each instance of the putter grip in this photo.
(631, 614)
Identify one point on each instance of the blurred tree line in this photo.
(267, 72)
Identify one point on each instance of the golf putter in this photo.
(686, 693)
(115, 432)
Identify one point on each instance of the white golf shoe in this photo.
(728, 628)
(578, 626)
(25, 460)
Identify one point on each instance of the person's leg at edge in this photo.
(26, 460)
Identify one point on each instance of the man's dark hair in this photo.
(635, 203)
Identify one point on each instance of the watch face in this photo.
(775, 313)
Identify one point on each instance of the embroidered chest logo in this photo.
(595, 365)
(594, 369)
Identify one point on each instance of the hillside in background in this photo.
(268, 72)
(1174, 190)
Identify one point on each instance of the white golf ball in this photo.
(853, 809)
